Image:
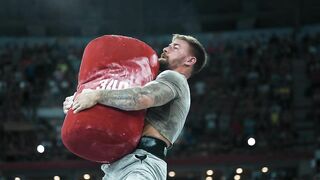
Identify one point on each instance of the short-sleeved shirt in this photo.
(170, 118)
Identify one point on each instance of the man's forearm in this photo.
(137, 98)
(125, 99)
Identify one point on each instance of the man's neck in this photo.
(184, 71)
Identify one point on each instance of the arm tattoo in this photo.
(137, 98)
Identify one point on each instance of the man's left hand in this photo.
(86, 99)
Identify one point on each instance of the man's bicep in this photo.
(158, 93)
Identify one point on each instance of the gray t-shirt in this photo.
(170, 118)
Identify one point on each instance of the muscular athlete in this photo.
(167, 100)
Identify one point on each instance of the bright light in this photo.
(209, 172)
(86, 176)
(209, 178)
(239, 170)
(251, 141)
(40, 148)
(172, 174)
(264, 170)
(56, 178)
(17, 178)
(236, 177)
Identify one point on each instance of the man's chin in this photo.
(163, 64)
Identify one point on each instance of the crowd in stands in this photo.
(245, 91)
(313, 74)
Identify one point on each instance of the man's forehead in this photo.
(180, 42)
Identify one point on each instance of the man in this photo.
(167, 99)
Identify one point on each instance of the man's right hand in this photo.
(67, 104)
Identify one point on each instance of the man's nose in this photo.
(165, 50)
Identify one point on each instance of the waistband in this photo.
(154, 146)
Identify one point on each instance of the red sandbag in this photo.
(105, 134)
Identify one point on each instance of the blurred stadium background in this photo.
(255, 109)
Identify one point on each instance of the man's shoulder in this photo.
(170, 73)
(172, 77)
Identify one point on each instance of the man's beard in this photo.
(164, 65)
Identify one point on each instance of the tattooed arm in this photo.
(153, 94)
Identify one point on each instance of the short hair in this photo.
(197, 50)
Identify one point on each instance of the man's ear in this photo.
(191, 61)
